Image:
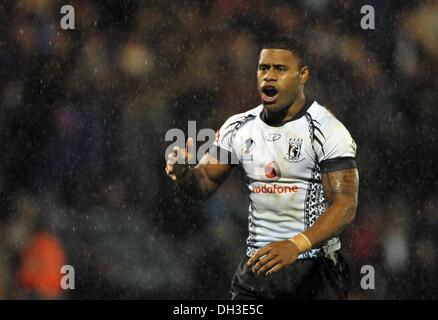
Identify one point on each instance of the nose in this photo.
(270, 75)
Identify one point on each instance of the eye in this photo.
(263, 67)
(280, 68)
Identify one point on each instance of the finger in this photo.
(188, 150)
(189, 144)
(171, 163)
(263, 261)
(275, 269)
(171, 158)
(180, 155)
(176, 159)
(261, 252)
(255, 257)
(268, 266)
(169, 169)
(171, 176)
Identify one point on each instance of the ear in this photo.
(304, 75)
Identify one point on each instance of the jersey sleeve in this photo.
(336, 148)
(222, 149)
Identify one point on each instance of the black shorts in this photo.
(305, 279)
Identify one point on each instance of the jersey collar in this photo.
(301, 113)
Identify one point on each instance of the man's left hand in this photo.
(274, 257)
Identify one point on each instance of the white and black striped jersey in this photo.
(284, 165)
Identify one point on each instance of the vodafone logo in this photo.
(272, 170)
(274, 188)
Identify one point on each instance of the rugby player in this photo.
(302, 182)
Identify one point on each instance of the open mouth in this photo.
(269, 94)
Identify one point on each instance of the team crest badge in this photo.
(246, 150)
(294, 150)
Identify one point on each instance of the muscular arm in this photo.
(340, 190)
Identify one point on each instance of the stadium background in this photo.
(84, 113)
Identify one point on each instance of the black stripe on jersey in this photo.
(223, 156)
(337, 164)
(318, 128)
(238, 124)
(240, 119)
(319, 141)
(313, 136)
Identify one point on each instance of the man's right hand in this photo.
(177, 167)
(203, 179)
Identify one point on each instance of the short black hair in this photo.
(290, 43)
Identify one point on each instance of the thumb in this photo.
(189, 144)
(189, 147)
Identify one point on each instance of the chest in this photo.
(275, 154)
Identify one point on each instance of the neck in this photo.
(286, 114)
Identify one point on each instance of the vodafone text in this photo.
(274, 188)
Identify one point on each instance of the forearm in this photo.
(341, 192)
(195, 185)
(331, 223)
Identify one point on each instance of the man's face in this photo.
(278, 78)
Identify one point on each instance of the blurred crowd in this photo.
(84, 115)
